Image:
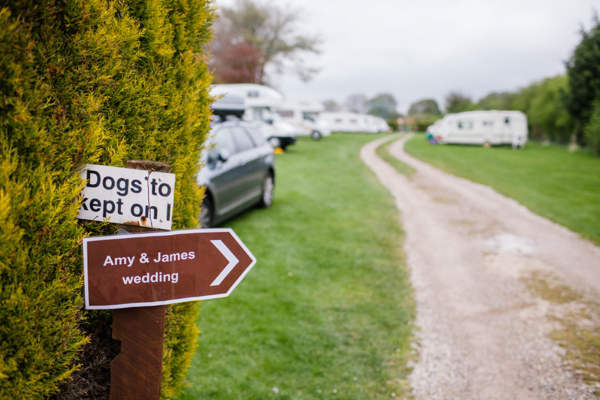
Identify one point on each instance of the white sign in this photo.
(128, 196)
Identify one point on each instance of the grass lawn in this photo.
(327, 310)
(550, 181)
(383, 152)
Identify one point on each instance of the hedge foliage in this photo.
(592, 130)
(88, 81)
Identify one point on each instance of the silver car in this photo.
(238, 171)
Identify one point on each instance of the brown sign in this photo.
(151, 269)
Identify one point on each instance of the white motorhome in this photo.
(304, 116)
(260, 101)
(486, 128)
(354, 122)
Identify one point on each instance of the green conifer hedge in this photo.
(88, 81)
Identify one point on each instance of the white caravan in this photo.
(378, 124)
(346, 121)
(433, 129)
(260, 101)
(354, 122)
(304, 117)
(483, 128)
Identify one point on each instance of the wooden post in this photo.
(136, 373)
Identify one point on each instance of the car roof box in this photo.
(229, 104)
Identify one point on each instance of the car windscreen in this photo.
(223, 140)
(242, 139)
(256, 136)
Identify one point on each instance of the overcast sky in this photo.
(416, 49)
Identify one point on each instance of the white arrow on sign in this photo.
(230, 258)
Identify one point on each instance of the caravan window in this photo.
(223, 140)
(308, 116)
(465, 124)
(338, 120)
(285, 113)
(488, 123)
(253, 93)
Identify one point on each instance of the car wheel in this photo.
(268, 191)
(206, 213)
(316, 135)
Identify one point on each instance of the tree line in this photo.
(560, 109)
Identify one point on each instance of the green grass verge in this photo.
(327, 311)
(549, 180)
(383, 152)
(579, 332)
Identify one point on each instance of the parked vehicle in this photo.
(229, 105)
(304, 117)
(378, 124)
(259, 102)
(431, 131)
(345, 121)
(278, 133)
(238, 167)
(486, 128)
(354, 122)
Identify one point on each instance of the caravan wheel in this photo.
(316, 135)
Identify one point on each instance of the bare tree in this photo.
(331, 105)
(237, 63)
(356, 103)
(272, 31)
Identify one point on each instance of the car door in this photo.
(250, 163)
(263, 154)
(227, 175)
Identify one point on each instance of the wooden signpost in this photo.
(149, 269)
(137, 274)
(136, 373)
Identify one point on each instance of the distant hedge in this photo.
(88, 81)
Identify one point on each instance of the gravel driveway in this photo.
(481, 333)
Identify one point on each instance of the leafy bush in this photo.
(543, 102)
(592, 129)
(88, 81)
(393, 124)
(583, 68)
